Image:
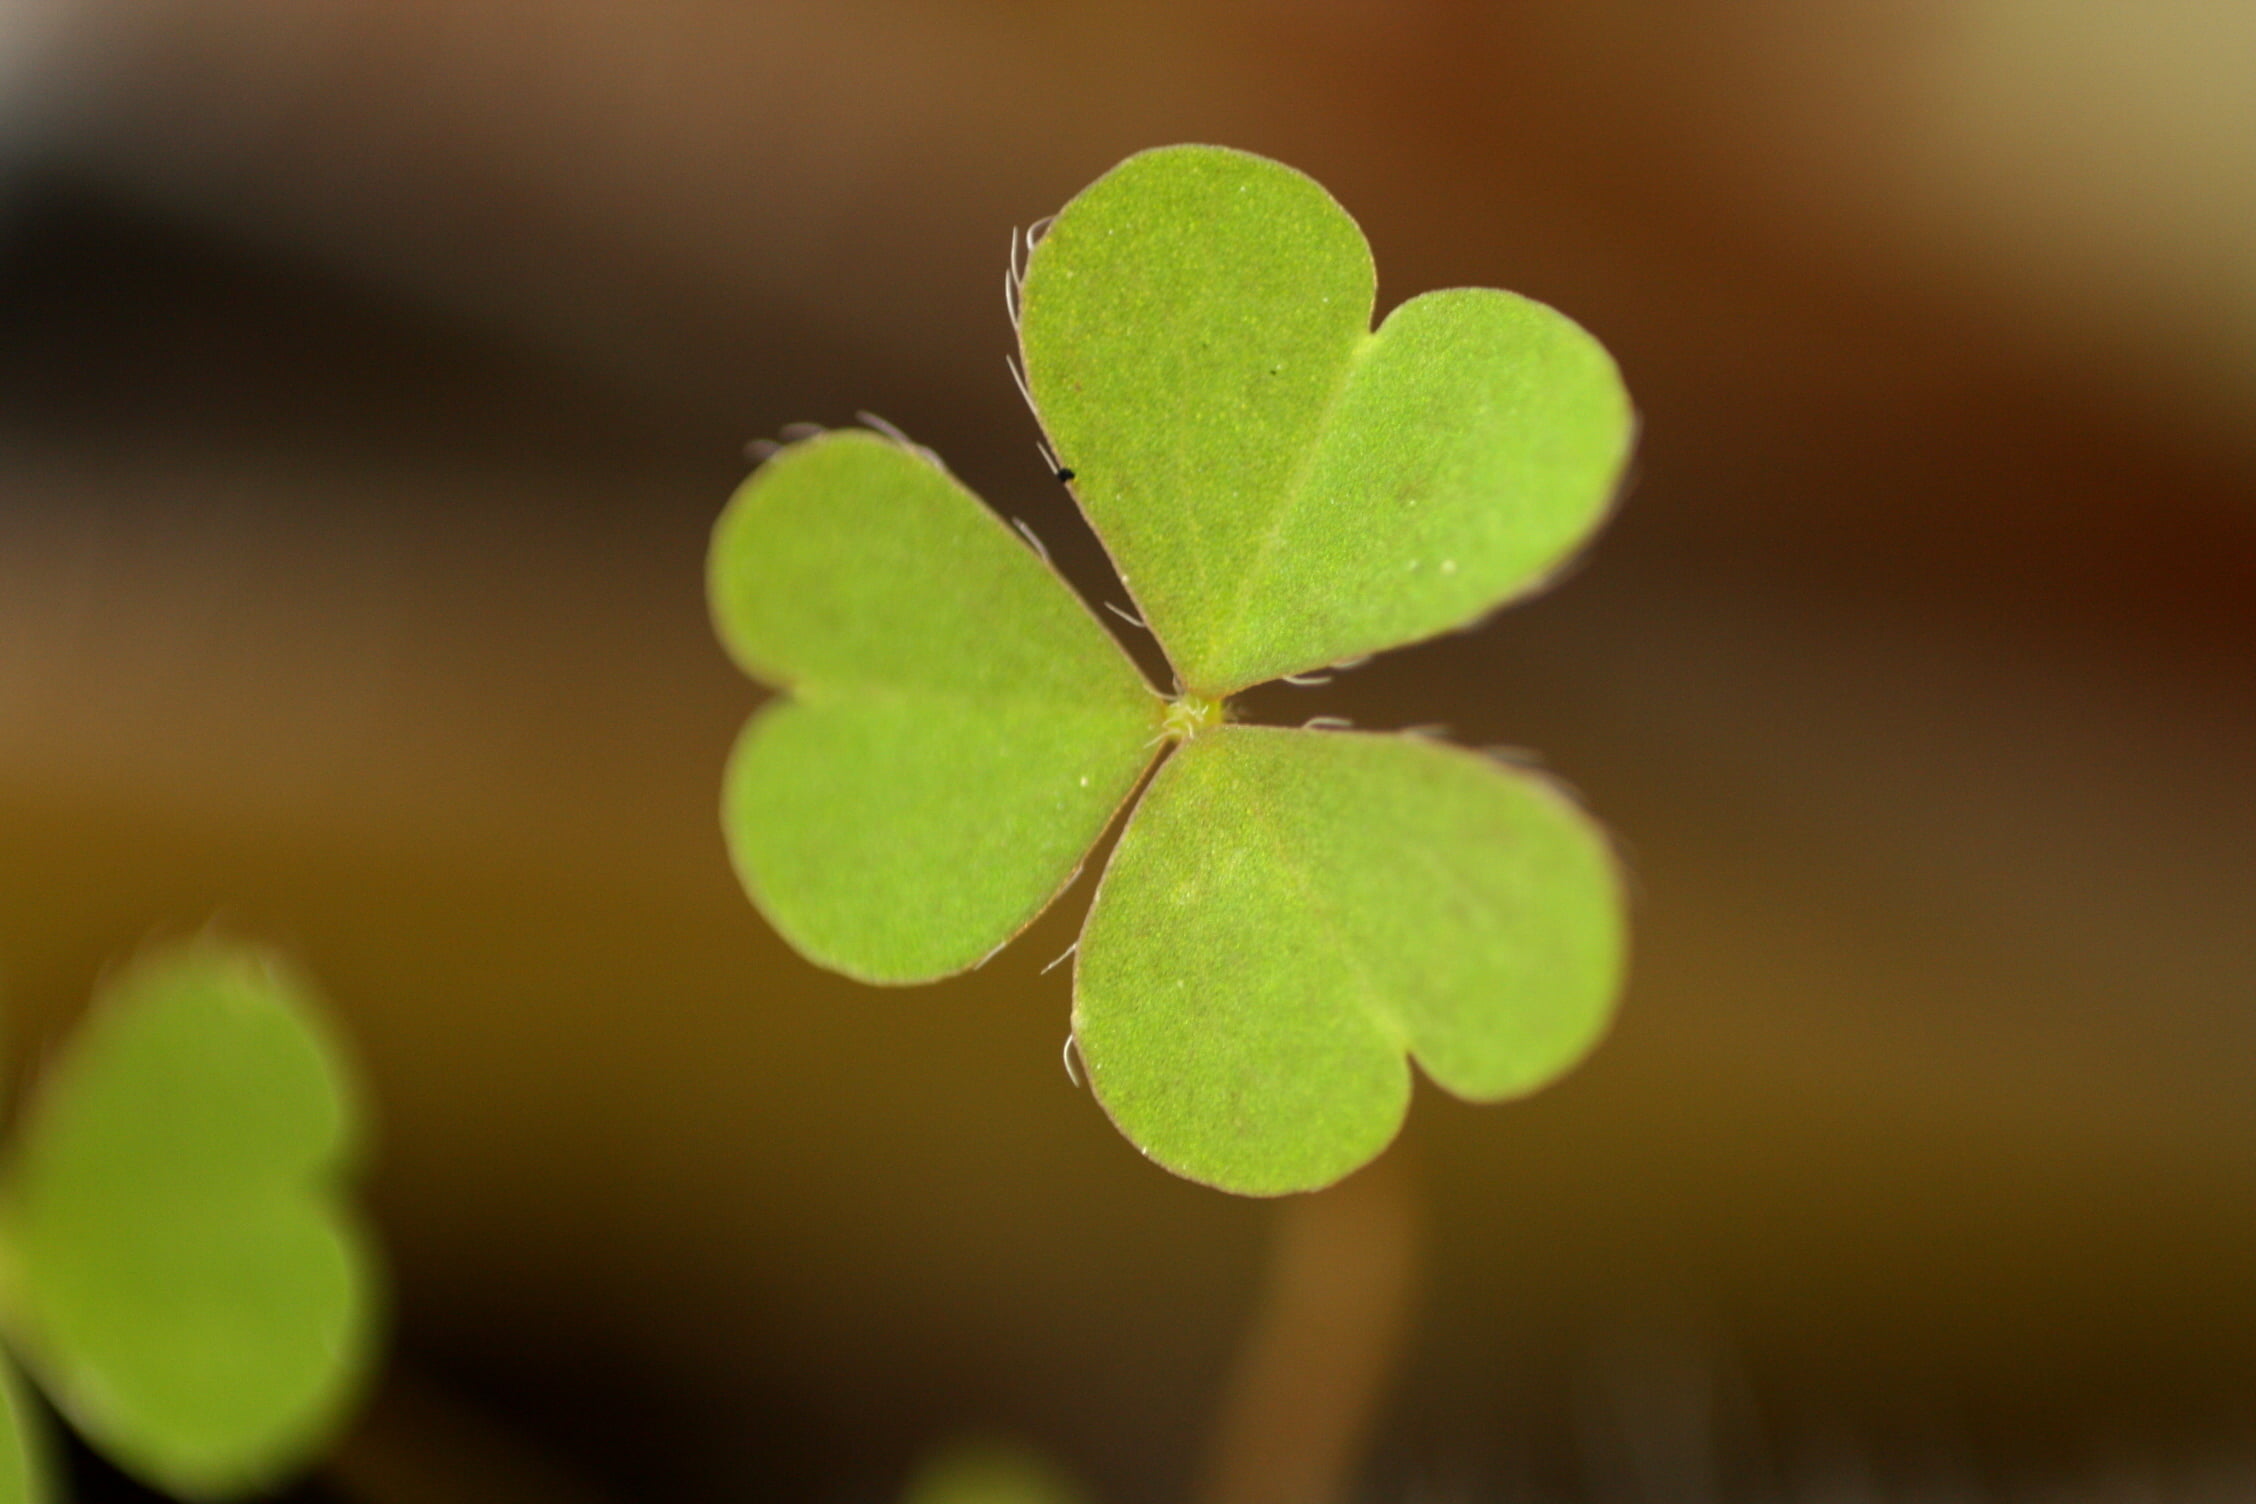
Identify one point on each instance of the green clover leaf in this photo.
(1290, 916)
(24, 1466)
(180, 1274)
(991, 1470)
(959, 730)
(1281, 487)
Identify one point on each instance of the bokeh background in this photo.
(371, 371)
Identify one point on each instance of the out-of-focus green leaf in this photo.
(24, 1467)
(958, 729)
(1281, 487)
(1289, 912)
(185, 1281)
(991, 1471)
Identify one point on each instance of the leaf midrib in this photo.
(1371, 993)
(819, 694)
(1294, 496)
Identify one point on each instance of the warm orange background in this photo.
(370, 373)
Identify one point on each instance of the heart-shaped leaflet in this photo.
(185, 1281)
(1289, 913)
(1281, 487)
(959, 729)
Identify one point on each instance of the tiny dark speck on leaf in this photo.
(1064, 473)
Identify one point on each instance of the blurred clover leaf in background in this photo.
(1289, 914)
(991, 1470)
(177, 1267)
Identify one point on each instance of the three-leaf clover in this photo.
(176, 1267)
(1290, 915)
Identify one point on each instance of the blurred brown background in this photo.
(370, 374)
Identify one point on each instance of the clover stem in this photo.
(1334, 1314)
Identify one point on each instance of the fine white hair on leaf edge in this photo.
(890, 430)
(1013, 278)
(873, 421)
(1014, 270)
(1018, 379)
(1031, 541)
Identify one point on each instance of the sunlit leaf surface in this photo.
(1290, 911)
(958, 728)
(1281, 487)
(187, 1286)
